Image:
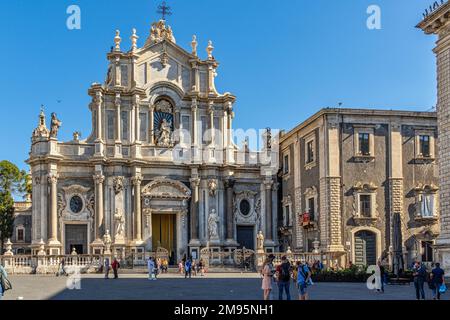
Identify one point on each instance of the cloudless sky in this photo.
(284, 60)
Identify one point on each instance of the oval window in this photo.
(244, 207)
(76, 204)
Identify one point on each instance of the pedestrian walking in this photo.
(106, 267)
(188, 268)
(5, 284)
(194, 268)
(151, 269)
(115, 266)
(267, 273)
(201, 268)
(382, 276)
(303, 280)
(284, 272)
(61, 268)
(181, 267)
(419, 274)
(437, 280)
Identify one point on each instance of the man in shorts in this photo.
(303, 279)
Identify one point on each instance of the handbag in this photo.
(442, 288)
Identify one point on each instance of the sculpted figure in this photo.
(120, 223)
(213, 221)
(55, 125)
(164, 139)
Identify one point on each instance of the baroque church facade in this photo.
(160, 168)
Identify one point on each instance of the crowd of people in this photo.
(189, 267)
(435, 280)
(284, 274)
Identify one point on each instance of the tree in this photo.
(12, 182)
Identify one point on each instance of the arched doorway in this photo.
(165, 208)
(365, 248)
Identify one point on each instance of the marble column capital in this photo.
(268, 184)
(53, 178)
(195, 182)
(99, 178)
(229, 183)
(137, 180)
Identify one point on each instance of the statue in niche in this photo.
(165, 134)
(260, 241)
(120, 224)
(55, 125)
(213, 221)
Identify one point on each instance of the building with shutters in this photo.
(362, 184)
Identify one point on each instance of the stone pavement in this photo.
(174, 287)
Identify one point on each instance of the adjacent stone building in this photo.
(160, 168)
(361, 184)
(437, 22)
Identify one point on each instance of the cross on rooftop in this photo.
(164, 10)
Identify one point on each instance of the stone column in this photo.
(437, 23)
(268, 220)
(137, 125)
(229, 192)
(118, 107)
(195, 183)
(194, 132)
(53, 180)
(211, 121)
(99, 179)
(152, 124)
(118, 149)
(137, 180)
(53, 243)
(98, 104)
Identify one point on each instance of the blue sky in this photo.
(284, 61)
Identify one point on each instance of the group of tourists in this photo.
(284, 274)
(107, 266)
(189, 267)
(435, 280)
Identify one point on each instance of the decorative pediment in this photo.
(365, 187)
(426, 188)
(163, 188)
(311, 192)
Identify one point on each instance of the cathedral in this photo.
(160, 168)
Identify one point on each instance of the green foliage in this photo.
(353, 274)
(12, 181)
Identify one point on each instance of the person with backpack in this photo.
(4, 282)
(303, 280)
(188, 268)
(437, 279)
(420, 275)
(283, 272)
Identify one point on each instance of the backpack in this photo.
(285, 272)
(5, 283)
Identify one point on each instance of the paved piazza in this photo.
(170, 287)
